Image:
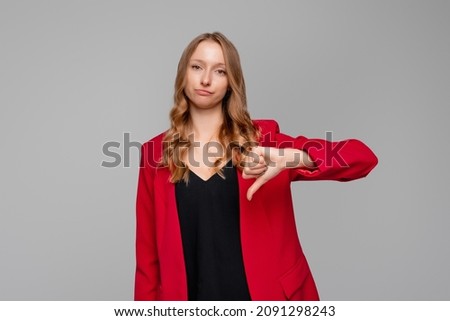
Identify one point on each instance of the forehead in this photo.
(208, 51)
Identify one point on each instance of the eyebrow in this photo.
(203, 62)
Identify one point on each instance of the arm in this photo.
(341, 161)
(306, 159)
(147, 265)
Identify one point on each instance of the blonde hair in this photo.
(237, 131)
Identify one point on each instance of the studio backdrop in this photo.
(84, 83)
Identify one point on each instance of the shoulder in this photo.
(152, 149)
(158, 139)
(269, 131)
(267, 126)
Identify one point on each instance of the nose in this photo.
(206, 79)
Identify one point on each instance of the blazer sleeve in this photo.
(340, 161)
(147, 264)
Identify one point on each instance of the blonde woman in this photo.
(215, 217)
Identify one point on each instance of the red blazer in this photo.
(275, 266)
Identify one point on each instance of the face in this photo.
(206, 77)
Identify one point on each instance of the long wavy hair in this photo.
(237, 132)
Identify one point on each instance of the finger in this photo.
(260, 181)
(253, 156)
(246, 176)
(260, 159)
(249, 161)
(256, 165)
(256, 170)
(254, 174)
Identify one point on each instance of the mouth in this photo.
(203, 92)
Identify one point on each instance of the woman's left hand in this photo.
(264, 163)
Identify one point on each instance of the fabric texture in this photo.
(208, 212)
(274, 262)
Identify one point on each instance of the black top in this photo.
(209, 220)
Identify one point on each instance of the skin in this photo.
(278, 161)
(206, 78)
(206, 86)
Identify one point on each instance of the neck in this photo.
(206, 122)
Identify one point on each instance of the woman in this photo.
(215, 217)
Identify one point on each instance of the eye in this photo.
(221, 72)
(196, 67)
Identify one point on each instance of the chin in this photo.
(205, 105)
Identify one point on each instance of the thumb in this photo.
(260, 181)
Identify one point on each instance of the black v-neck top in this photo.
(209, 220)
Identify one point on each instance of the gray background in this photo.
(77, 74)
